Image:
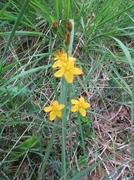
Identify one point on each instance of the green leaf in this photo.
(29, 143)
(32, 107)
(21, 149)
(90, 134)
(14, 90)
(77, 121)
(126, 52)
(85, 119)
(26, 145)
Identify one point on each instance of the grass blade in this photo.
(20, 15)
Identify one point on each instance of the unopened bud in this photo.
(69, 25)
(55, 25)
(67, 38)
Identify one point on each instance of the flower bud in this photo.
(69, 26)
(67, 38)
(55, 25)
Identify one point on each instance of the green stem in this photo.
(64, 90)
(81, 132)
(48, 150)
(64, 87)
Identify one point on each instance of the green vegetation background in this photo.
(104, 48)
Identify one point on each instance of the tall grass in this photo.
(102, 40)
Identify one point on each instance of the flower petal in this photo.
(57, 64)
(77, 71)
(73, 101)
(86, 105)
(82, 111)
(60, 54)
(48, 109)
(69, 76)
(82, 100)
(52, 116)
(61, 106)
(74, 108)
(72, 59)
(59, 73)
(55, 103)
(59, 114)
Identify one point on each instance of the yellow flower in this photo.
(60, 54)
(80, 105)
(67, 69)
(55, 110)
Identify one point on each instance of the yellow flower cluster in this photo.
(78, 106)
(65, 66)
